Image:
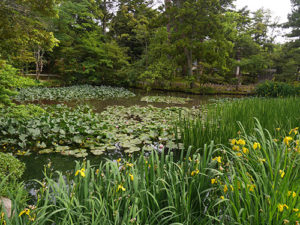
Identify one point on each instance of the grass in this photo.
(218, 121)
(222, 186)
(148, 190)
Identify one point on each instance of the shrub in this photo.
(10, 80)
(275, 89)
(11, 170)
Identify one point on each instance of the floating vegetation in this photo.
(78, 132)
(166, 99)
(72, 92)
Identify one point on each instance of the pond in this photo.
(35, 163)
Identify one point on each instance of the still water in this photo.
(35, 163)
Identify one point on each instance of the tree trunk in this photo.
(39, 64)
(189, 57)
(238, 71)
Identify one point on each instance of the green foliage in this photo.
(9, 80)
(22, 111)
(261, 178)
(72, 93)
(85, 55)
(275, 89)
(257, 184)
(11, 170)
(147, 192)
(24, 29)
(218, 121)
(79, 131)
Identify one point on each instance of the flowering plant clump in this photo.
(265, 178)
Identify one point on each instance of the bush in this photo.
(11, 170)
(275, 89)
(9, 80)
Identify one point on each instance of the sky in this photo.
(279, 8)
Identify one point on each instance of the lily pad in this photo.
(61, 148)
(148, 148)
(97, 152)
(68, 152)
(46, 151)
(132, 149)
(110, 148)
(81, 155)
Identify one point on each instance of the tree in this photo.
(252, 44)
(23, 23)
(288, 64)
(132, 26)
(194, 25)
(85, 54)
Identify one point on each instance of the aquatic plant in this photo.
(259, 178)
(165, 99)
(78, 132)
(72, 93)
(218, 121)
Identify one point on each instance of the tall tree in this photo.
(23, 23)
(192, 24)
(132, 25)
(288, 61)
(85, 54)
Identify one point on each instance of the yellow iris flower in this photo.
(233, 141)
(236, 148)
(131, 177)
(195, 172)
(25, 211)
(241, 142)
(256, 145)
(225, 188)
(213, 181)
(120, 187)
(282, 173)
(81, 172)
(245, 150)
(286, 140)
(219, 159)
(295, 131)
(282, 206)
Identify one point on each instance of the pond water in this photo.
(35, 163)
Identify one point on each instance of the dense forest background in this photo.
(125, 42)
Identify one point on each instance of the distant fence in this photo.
(46, 76)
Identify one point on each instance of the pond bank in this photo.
(197, 89)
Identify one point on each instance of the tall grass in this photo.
(219, 122)
(259, 186)
(261, 181)
(149, 190)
